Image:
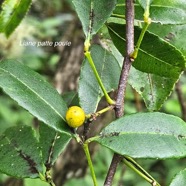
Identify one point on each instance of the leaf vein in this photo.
(45, 101)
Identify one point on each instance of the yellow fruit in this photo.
(75, 116)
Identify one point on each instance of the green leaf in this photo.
(153, 88)
(180, 179)
(172, 3)
(145, 3)
(20, 153)
(156, 57)
(162, 72)
(71, 98)
(13, 11)
(51, 145)
(146, 135)
(171, 33)
(93, 13)
(35, 182)
(158, 13)
(89, 91)
(33, 93)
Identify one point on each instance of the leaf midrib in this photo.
(107, 135)
(16, 78)
(150, 55)
(152, 5)
(16, 6)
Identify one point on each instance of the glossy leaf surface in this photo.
(93, 13)
(12, 13)
(157, 69)
(159, 13)
(156, 57)
(33, 93)
(146, 135)
(171, 33)
(52, 143)
(180, 179)
(20, 153)
(154, 89)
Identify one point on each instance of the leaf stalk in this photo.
(96, 114)
(48, 178)
(138, 44)
(87, 153)
(139, 170)
(91, 62)
(147, 22)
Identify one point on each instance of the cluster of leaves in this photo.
(33, 93)
(155, 71)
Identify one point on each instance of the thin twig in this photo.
(92, 117)
(112, 169)
(181, 100)
(86, 129)
(49, 178)
(127, 60)
(119, 110)
(87, 153)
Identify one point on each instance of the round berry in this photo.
(75, 116)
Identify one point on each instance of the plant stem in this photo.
(112, 169)
(119, 110)
(144, 29)
(118, 16)
(89, 140)
(127, 60)
(87, 43)
(48, 178)
(96, 114)
(86, 129)
(139, 170)
(92, 117)
(87, 153)
(136, 170)
(87, 53)
(147, 22)
(147, 12)
(51, 183)
(89, 57)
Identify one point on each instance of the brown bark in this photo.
(119, 110)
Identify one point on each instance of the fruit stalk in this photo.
(96, 114)
(87, 153)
